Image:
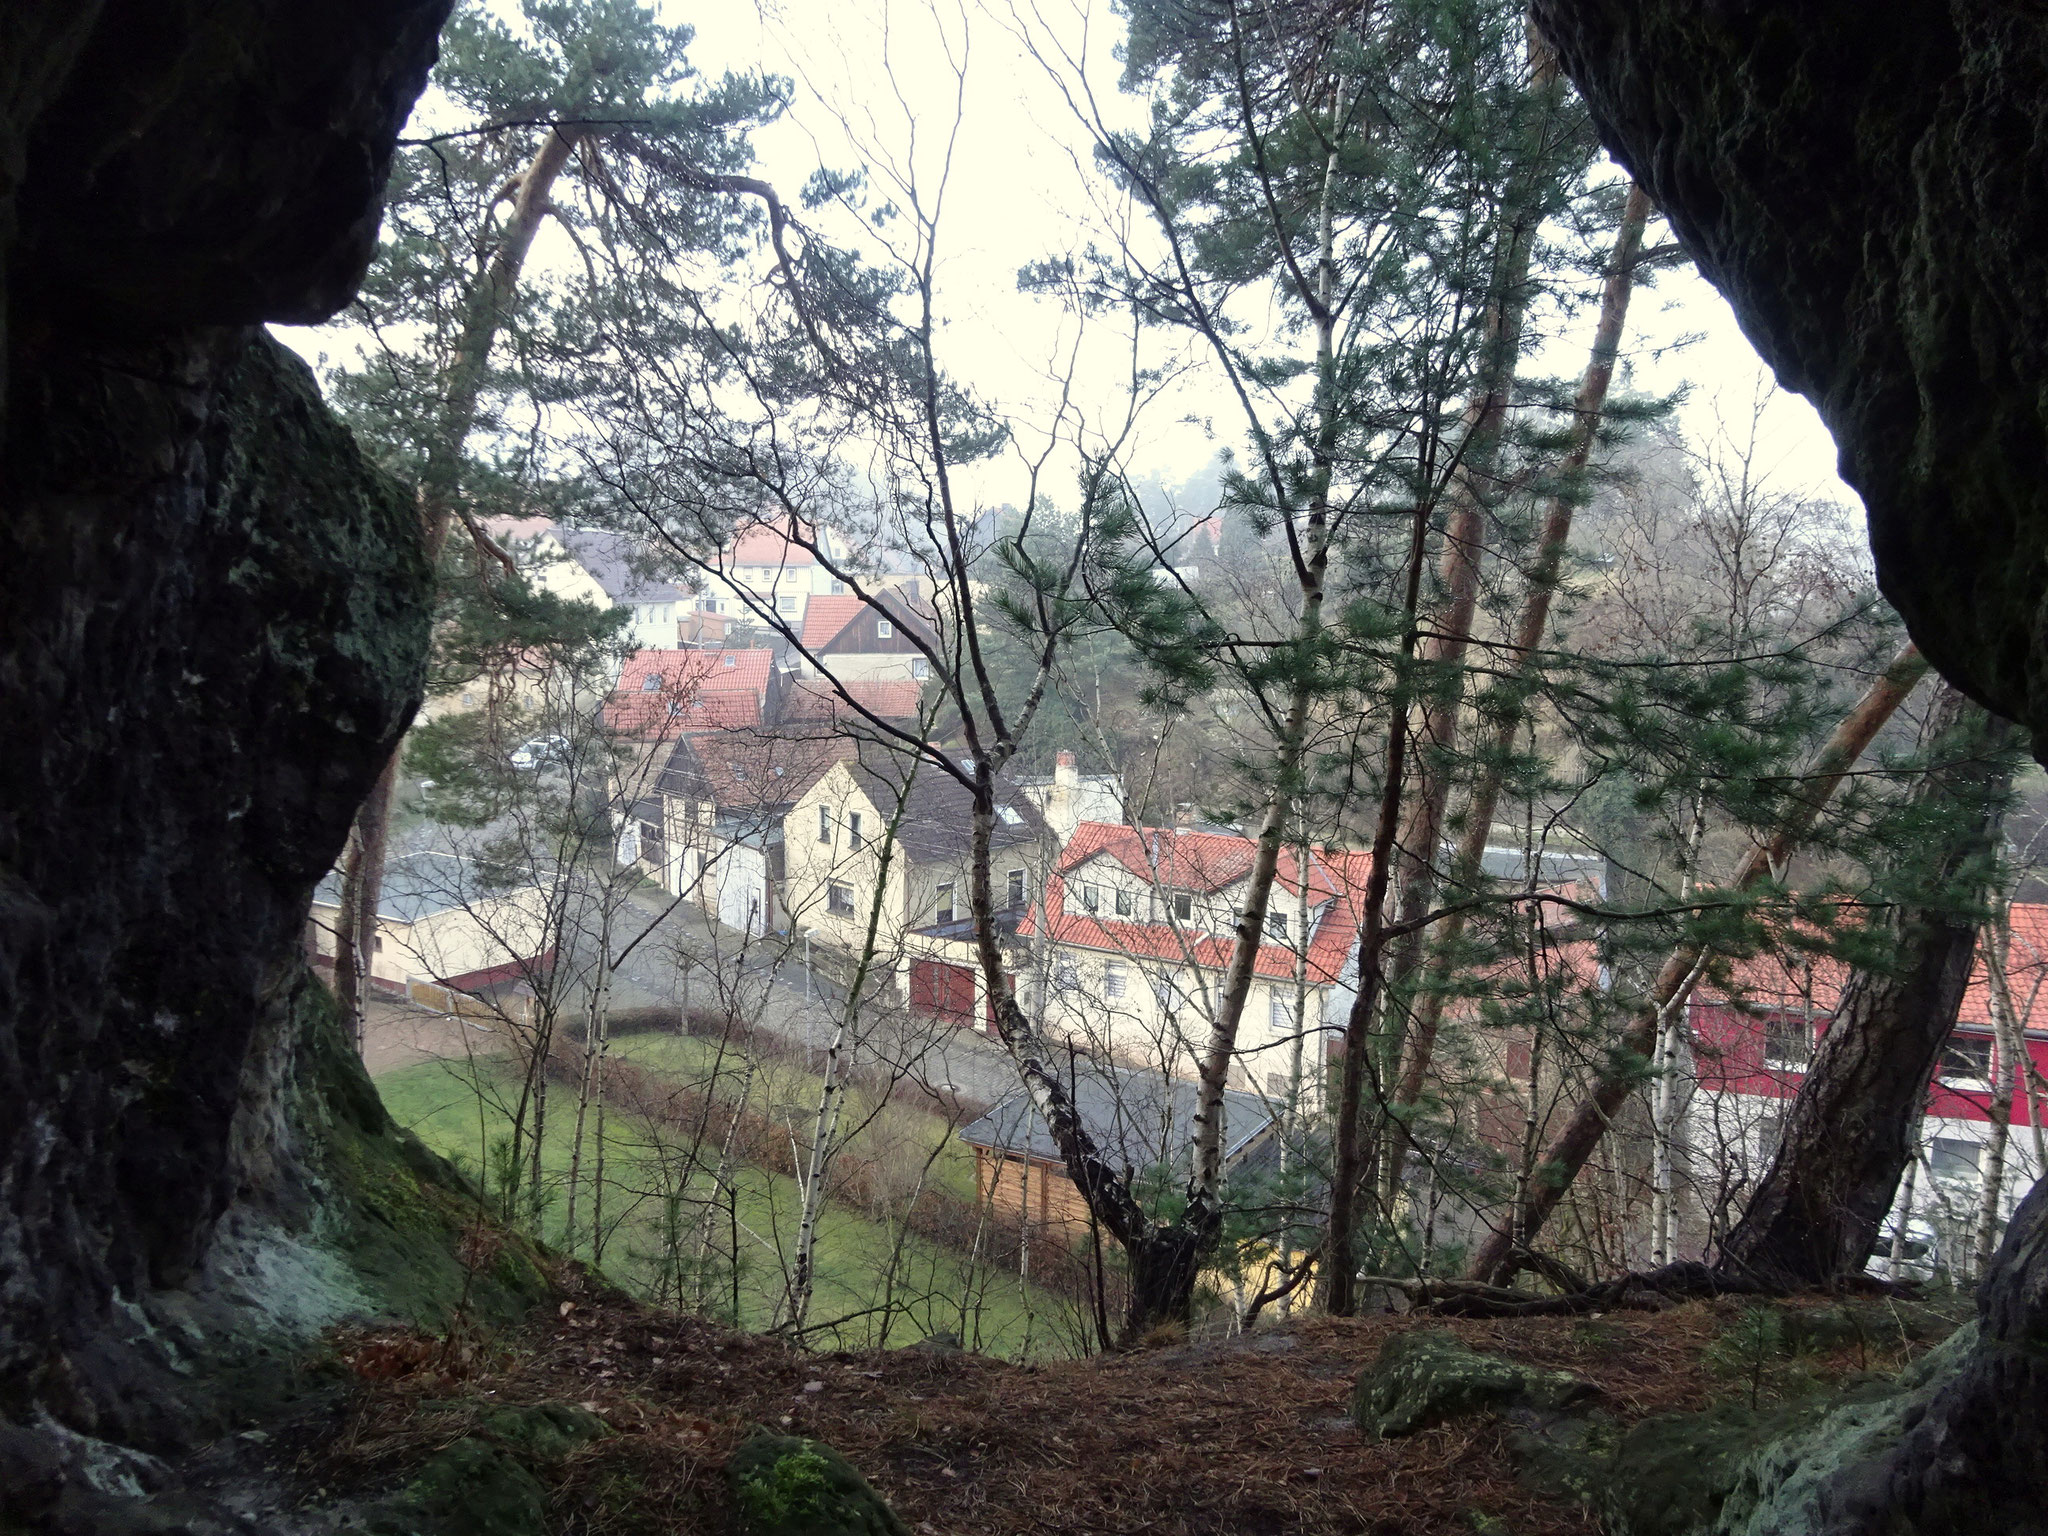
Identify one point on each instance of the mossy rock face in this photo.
(1670, 1475)
(1790, 1482)
(785, 1485)
(470, 1489)
(1430, 1375)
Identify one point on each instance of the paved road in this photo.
(676, 948)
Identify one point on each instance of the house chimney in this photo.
(1064, 772)
(1062, 813)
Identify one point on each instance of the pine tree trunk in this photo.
(440, 482)
(1568, 1151)
(1530, 628)
(1815, 1217)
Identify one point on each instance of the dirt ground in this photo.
(1249, 1437)
(399, 1034)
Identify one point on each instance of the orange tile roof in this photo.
(1339, 877)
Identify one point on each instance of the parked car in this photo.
(542, 749)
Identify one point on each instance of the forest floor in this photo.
(1244, 1437)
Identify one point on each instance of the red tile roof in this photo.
(766, 543)
(826, 617)
(751, 770)
(663, 691)
(1339, 877)
(1787, 981)
(1189, 860)
(813, 698)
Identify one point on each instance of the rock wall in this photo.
(1868, 185)
(213, 622)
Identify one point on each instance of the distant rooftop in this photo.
(416, 885)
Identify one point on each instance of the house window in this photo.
(1280, 1011)
(376, 946)
(1124, 904)
(945, 904)
(839, 899)
(785, 604)
(1276, 925)
(920, 668)
(1788, 1044)
(1966, 1058)
(824, 823)
(731, 660)
(1112, 978)
(838, 587)
(1954, 1160)
(1065, 976)
(1016, 887)
(853, 831)
(1091, 898)
(884, 630)
(651, 683)
(1183, 905)
(1163, 992)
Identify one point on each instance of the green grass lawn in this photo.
(874, 1286)
(901, 1129)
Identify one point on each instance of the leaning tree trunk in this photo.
(1512, 693)
(1567, 1153)
(1815, 1217)
(462, 384)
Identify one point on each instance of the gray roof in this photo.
(416, 885)
(938, 810)
(1556, 866)
(618, 564)
(1135, 1118)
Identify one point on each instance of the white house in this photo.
(1135, 935)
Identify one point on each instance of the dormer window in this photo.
(731, 660)
(651, 683)
(884, 630)
(1276, 925)
(1183, 905)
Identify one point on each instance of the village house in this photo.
(1068, 797)
(1138, 1120)
(441, 931)
(763, 570)
(858, 641)
(1132, 940)
(662, 692)
(712, 832)
(601, 568)
(825, 702)
(1748, 1044)
(832, 842)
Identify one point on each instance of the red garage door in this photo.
(942, 991)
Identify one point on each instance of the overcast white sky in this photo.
(1018, 189)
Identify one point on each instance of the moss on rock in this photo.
(785, 1485)
(1429, 1375)
(544, 1433)
(470, 1489)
